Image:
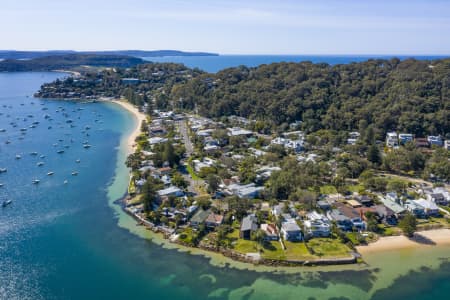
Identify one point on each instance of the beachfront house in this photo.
(199, 217)
(291, 231)
(248, 225)
(271, 232)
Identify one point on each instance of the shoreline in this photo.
(139, 116)
(422, 239)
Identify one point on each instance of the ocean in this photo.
(214, 64)
(70, 241)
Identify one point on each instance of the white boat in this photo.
(40, 164)
(87, 146)
(1, 184)
(33, 153)
(78, 161)
(66, 182)
(6, 203)
(18, 156)
(60, 151)
(50, 173)
(42, 156)
(74, 173)
(36, 181)
(3, 170)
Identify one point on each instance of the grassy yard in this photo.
(273, 250)
(135, 200)
(187, 236)
(323, 247)
(297, 251)
(356, 188)
(328, 189)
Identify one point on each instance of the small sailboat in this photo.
(74, 173)
(50, 173)
(36, 181)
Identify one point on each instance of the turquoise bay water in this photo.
(68, 241)
(217, 63)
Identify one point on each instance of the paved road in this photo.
(186, 139)
(193, 184)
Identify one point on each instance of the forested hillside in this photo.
(409, 96)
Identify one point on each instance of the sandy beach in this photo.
(137, 130)
(421, 239)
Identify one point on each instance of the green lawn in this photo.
(297, 251)
(273, 250)
(136, 200)
(328, 189)
(192, 173)
(187, 236)
(356, 188)
(324, 247)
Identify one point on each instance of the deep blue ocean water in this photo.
(216, 63)
(62, 241)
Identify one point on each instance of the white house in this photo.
(392, 139)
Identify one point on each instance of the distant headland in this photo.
(15, 54)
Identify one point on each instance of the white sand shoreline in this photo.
(131, 144)
(429, 238)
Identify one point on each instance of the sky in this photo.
(420, 27)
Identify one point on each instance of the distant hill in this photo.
(12, 54)
(68, 61)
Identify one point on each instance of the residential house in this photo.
(393, 205)
(435, 140)
(213, 220)
(405, 138)
(291, 231)
(342, 222)
(237, 131)
(248, 225)
(421, 143)
(392, 139)
(249, 191)
(171, 191)
(277, 210)
(316, 225)
(271, 232)
(415, 208)
(447, 144)
(437, 198)
(430, 208)
(157, 140)
(199, 217)
(355, 216)
(324, 205)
